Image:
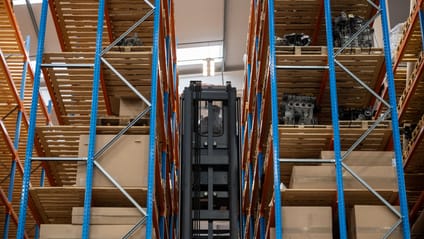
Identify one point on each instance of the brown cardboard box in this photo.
(131, 106)
(126, 161)
(364, 158)
(107, 215)
(306, 223)
(324, 177)
(370, 222)
(68, 231)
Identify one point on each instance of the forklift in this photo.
(210, 191)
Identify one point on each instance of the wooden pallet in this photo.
(134, 66)
(303, 16)
(124, 13)
(411, 38)
(76, 24)
(71, 88)
(63, 141)
(412, 99)
(55, 203)
(308, 141)
(400, 80)
(366, 64)
(414, 159)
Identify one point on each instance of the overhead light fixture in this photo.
(209, 67)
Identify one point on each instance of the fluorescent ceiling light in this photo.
(197, 55)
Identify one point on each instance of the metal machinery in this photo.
(346, 26)
(210, 191)
(298, 110)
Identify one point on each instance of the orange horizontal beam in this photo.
(414, 146)
(14, 91)
(411, 90)
(20, 42)
(9, 143)
(402, 47)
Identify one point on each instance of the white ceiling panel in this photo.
(199, 20)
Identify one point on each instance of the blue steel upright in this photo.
(335, 120)
(16, 140)
(395, 124)
(274, 122)
(152, 136)
(421, 16)
(93, 119)
(32, 123)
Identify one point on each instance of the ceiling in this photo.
(197, 21)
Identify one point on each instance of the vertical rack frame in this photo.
(170, 108)
(251, 106)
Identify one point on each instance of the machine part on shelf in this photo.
(210, 180)
(355, 113)
(296, 109)
(293, 39)
(346, 25)
(130, 41)
(408, 129)
(407, 134)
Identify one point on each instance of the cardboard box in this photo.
(324, 177)
(126, 161)
(107, 216)
(131, 106)
(364, 158)
(306, 223)
(68, 231)
(370, 222)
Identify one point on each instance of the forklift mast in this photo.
(209, 172)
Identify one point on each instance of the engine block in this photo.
(296, 109)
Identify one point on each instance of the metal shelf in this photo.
(82, 85)
(272, 71)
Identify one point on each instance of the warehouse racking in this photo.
(84, 80)
(269, 150)
(16, 96)
(355, 74)
(410, 112)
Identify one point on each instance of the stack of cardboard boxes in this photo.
(127, 162)
(106, 223)
(375, 168)
(366, 221)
